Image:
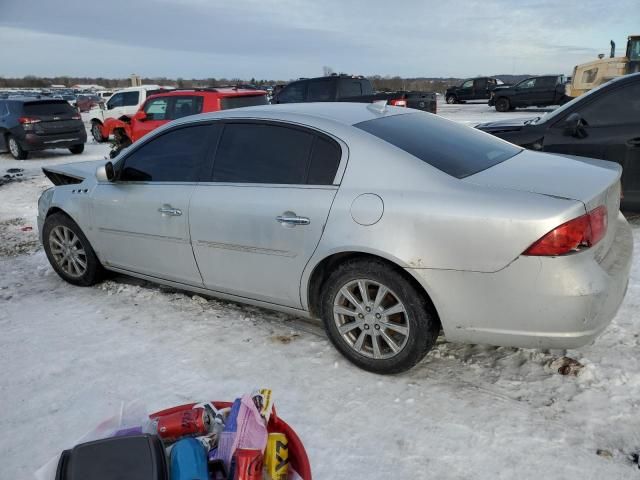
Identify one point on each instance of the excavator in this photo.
(591, 74)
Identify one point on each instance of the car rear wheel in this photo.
(451, 99)
(77, 149)
(376, 317)
(503, 104)
(96, 132)
(15, 149)
(69, 252)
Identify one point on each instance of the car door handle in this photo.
(634, 142)
(170, 211)
(289, 218)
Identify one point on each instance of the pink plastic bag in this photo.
(252, 431)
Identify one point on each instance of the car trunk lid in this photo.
(51, 117)
(589, 181)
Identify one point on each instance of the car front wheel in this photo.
(96, 132)
(503, 105)
(69, 251)
(16, 150)
(77, 149)
(377, 318)
(451, 99)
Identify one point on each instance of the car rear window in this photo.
(48, 108)
(227, 103)
(455, 149)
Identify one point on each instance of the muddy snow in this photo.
(70, 355)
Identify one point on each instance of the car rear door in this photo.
(141, 221)
(611, 131)
(465, 92)
(480, 89)
(256, 223)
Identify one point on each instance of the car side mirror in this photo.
(106, 173)
(573, 125)
(140, 116)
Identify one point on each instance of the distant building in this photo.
(87, 87)
(136, 81)
(58, 86)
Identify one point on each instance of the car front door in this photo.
(610, 130)
(524, 92)
(141, 220)
(256, 223)
(157, 114)
(465, 92)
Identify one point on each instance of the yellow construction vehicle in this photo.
(589, 75)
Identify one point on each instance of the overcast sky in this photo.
(284, 39)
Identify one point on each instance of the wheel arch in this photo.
(323, 268)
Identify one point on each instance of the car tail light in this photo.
(28, 120)
(574, 235)
(398, 103)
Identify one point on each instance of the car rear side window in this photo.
(325, 159)
(262, 153)
(293, 93)
(185, 106)
(455, 149)
(349, 88)
(180, 155)
(319, 90)
(227, 103)
(48, 108)
(618, 107)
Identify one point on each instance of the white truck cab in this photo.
(125, 102)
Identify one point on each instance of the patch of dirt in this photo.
(17, 237)
(284, 339)
(12, 175)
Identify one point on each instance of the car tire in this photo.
(503, 104)
(451, 99)
(15, 149)
(96, 132)
(69, 252)
(77, 149)
(413, 321)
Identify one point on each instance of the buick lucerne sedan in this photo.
(387, 223)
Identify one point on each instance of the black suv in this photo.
(603, 123)
(472, 89)
(540, 91)
(30, 124)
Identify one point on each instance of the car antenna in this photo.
(378, 106)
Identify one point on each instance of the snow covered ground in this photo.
(70, 355)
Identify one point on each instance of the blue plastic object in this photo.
(188, 460)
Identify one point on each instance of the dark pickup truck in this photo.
(347, 88)
(479, 88)
(535, 91)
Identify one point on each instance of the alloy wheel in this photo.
(67, 251)
(371, 319)
(13, 147)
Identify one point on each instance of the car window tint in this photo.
(349, 88)
(262, 153)
(467, 84)
(616, 107)
(240, 101)
(185, 106)
(455, 149)
(528, 83)
(325, 159)
(48, 108)
(115, 101)
(319, 90)
(293, 93)
(480, 83)
(547, 82)
(176, 156)
(156, 109)
(130, 98)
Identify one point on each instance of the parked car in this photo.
(84, 102)
(161, 108)
(30, 124)
(540, 91)
(472, 89)
(357, 212)
(125, 102)
(104, 94)
(348, 88)
(603, 123)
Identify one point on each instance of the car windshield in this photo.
(455, 149)
(551, 116)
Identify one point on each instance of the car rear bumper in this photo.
(32, 141)
(535, 302)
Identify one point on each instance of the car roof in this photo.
(221, 92)
(339, 112)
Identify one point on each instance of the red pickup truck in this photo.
(163, 107)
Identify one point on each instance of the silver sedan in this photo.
(387, 223)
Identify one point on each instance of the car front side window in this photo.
(179, 155)
(115, 101)
(619, 107)
(156, 109)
